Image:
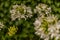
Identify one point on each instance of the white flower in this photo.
(42, 8)
(47, 27)
(20, 11)
(29, 12)
(51, 18)
(1, 25)
(51, 29)
(37, 23)
(37, 33)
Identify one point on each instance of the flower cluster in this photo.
(20, 11)
(46, 25)
(12, 30)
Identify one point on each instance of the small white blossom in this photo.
(1, 25)
(51, 18)
(20, 11)
(37, 23)
(29, 12)
(42, 8)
